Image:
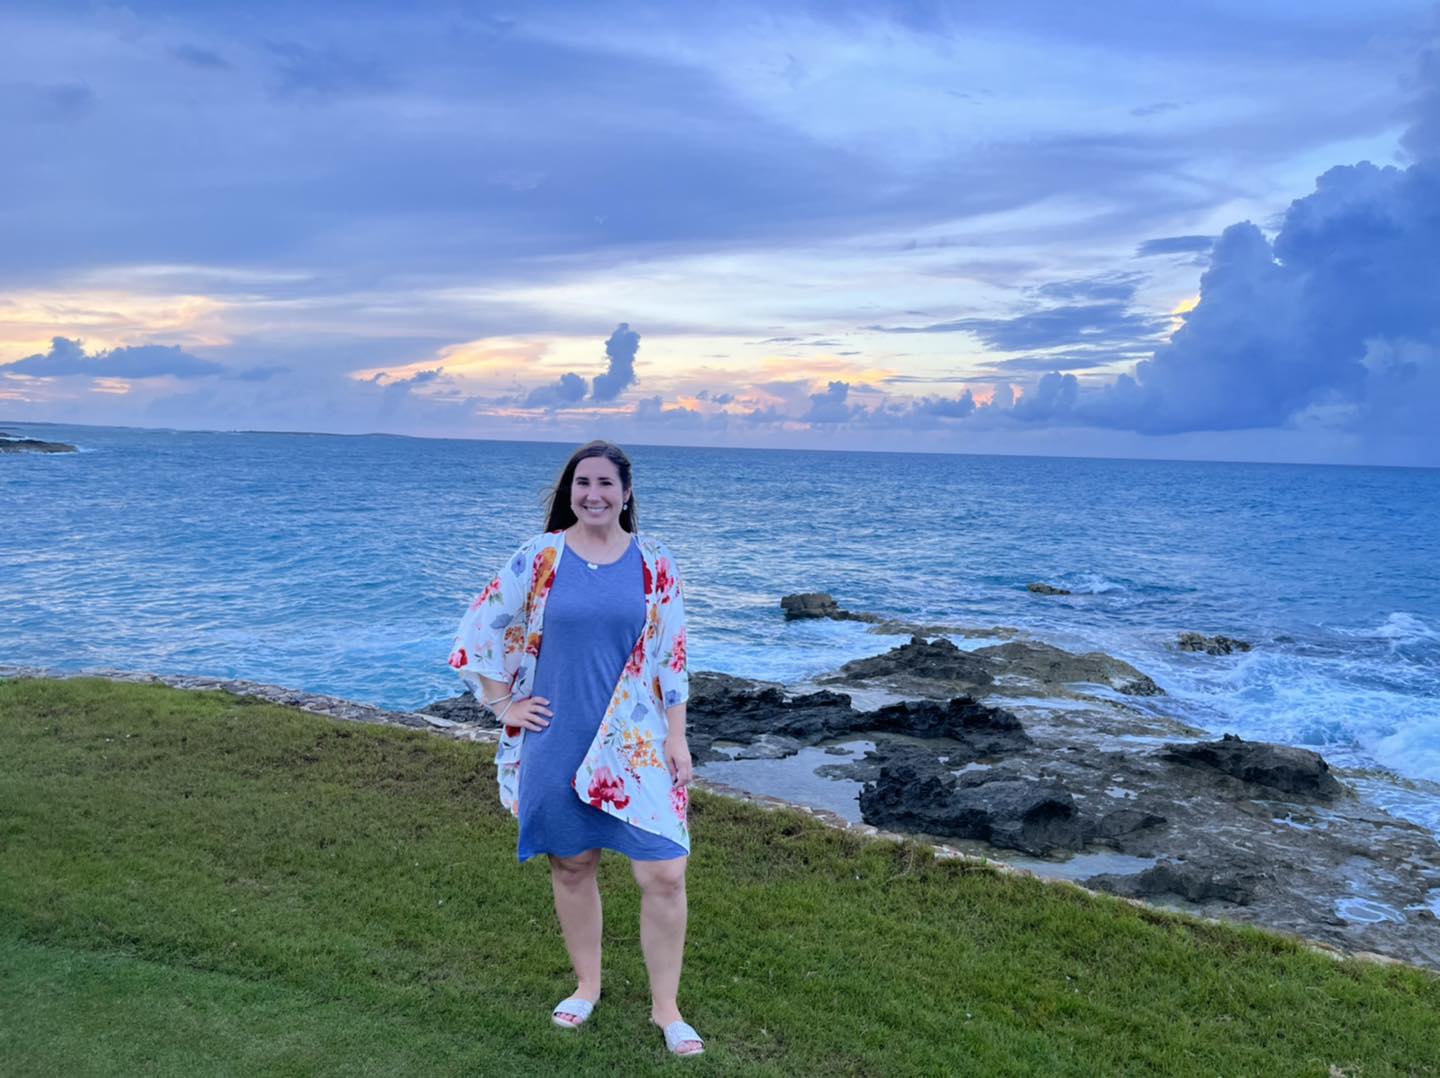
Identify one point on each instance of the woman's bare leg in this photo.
(577, 904)
(663, 914)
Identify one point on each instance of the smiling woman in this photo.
(578, 644)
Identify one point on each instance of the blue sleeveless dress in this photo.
(592, 620)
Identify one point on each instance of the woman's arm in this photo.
(674, 672)
(531, 713)
(479, 653)
(677, 747)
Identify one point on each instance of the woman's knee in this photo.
(575, 871)
(664, 879)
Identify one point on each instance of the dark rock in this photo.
(913, 792)
(1211, 645)
(1140, 686)
(1283, 768)
(1046, 589)
(462, 708)
(985, 731)
(819, 604)
(1035, 817)
(810, 604)
(937, 660)
(1052, 666)
(724, 708)
(1122, 823)
(1235, 882)
(14, 443)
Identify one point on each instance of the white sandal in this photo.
(677, 1033)
(575, 1005)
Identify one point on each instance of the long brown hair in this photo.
(559, 514)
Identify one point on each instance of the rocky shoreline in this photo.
(1059, 764)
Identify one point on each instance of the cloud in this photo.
(621, 349)
(569, 388)
(259, 374)
(68, 357)
(1175, 245)
(651, 409)
(323, 73)
(57, 101)
(960, 407)
(1050, 327)
(1104, 288)
(196, 56)
(830, 406)
(1285, 327)
(1053, 397)
(1422, 139)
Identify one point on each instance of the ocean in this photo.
(341, 564)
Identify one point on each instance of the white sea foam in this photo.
(1413, 748)
(1092, 584)
(1406, 628)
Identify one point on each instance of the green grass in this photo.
(195, 883)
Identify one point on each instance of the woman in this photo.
(592, 751)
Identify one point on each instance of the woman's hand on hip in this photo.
(530, 713)
(677, 759)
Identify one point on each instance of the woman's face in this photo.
(595, 493)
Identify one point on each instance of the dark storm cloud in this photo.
(620, 349)
(68, 357)
(1175, 245)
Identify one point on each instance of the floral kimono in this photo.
(623, 772)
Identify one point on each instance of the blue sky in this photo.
(1044, 228)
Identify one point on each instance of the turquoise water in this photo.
(340, 565)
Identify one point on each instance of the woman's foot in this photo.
(573, 1011)
(680, 1035)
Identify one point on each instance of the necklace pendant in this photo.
(591, 565)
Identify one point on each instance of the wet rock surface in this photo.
(1211, 645)
(1039, 588)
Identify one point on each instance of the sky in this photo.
(1096, 230)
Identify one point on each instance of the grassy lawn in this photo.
(195, 883)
